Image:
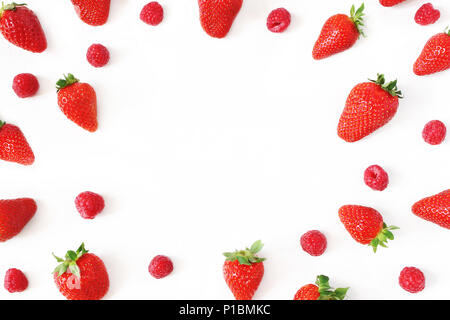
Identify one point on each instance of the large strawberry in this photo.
(14, 215)
(435, 209)
(339, 33)
(92, 12)
(320, 291)
(20, 26)
(243, 271)
(13, 145)
(369, 106)
(390, 3)
(366, 225)
(78, 102)
(435, 56)
(81, 275)
(217, 16)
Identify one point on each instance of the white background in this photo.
(207, 145)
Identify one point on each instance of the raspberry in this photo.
(15, 280)
(427, 15)
(412, 279)
(152, 13)
(160, 267)
(97, 55)
(89, 204)
(434, 132)
(314, 242)
(308, 292)
(376, 178)
(278, 20)
(25, 85)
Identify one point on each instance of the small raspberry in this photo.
(89, 204)
(25, 85)
(152, 13)
(97, 55)
(412, 279)
(15, 280)
(308, 292)
(314, 242)
(427, 15)
(434, 132)
(376, 178)
(278, 20)
(160, 267)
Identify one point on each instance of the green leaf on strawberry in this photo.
(326, 292)
(70, 262)
(247, 256)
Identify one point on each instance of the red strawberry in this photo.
(92, 12)
(243, 271)
(82, 276)
(217, 16)
(339, 33)
(390, 3)
(14, 215)
(369, 106)
(78, 102)
(20, 26)
(435, 209)
(435, 56)
(320, 291)
(366, 225)
(13, 145)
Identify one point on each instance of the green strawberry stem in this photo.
(326, 292)
(390, 87)
(67, 81)
(70, 262)
(447, 30)
(2, 123)
(357, 17)
(247, 256)
(383, 236)
(11, 6)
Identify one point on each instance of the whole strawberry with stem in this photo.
(78, 101)
(92, 12)
(339, 33)
(243, 271)
(369, 106)
(435, 209)
(81, 275)
(435, 56)
(366, 225)
(14, 215)
(320, 291)
(20, 26)
(14, 146)
(390, 3)
(217, 16)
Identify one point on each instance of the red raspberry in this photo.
(25, 85)
(160, 267)
(278, 20)
(15, 280)
(412, 279)
(89, 204)
(376, 178)
(427, 15)
(152, 13)
(314, 242)
(434, 132)
(97, 55)
(308, 292)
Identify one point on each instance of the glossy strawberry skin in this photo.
(14, 146)
(217, 16)
(390, 3)
(93, 283)
(435, 209)
(363, 223)
(92, 12)
(22, 28)
(243, 280)
(14, 215)
(435, 56)
(308, 292)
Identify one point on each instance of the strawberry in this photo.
(435, 209)
(369, 106)
(217, 16)
(20, 26)
(78, 102)
(339, 33)
(435, 56)
(14, 215)
(13, 145)
(390, 3)
(320, 291)
(366, 225)
(92, 12)
(243, 271)
(81, 276)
